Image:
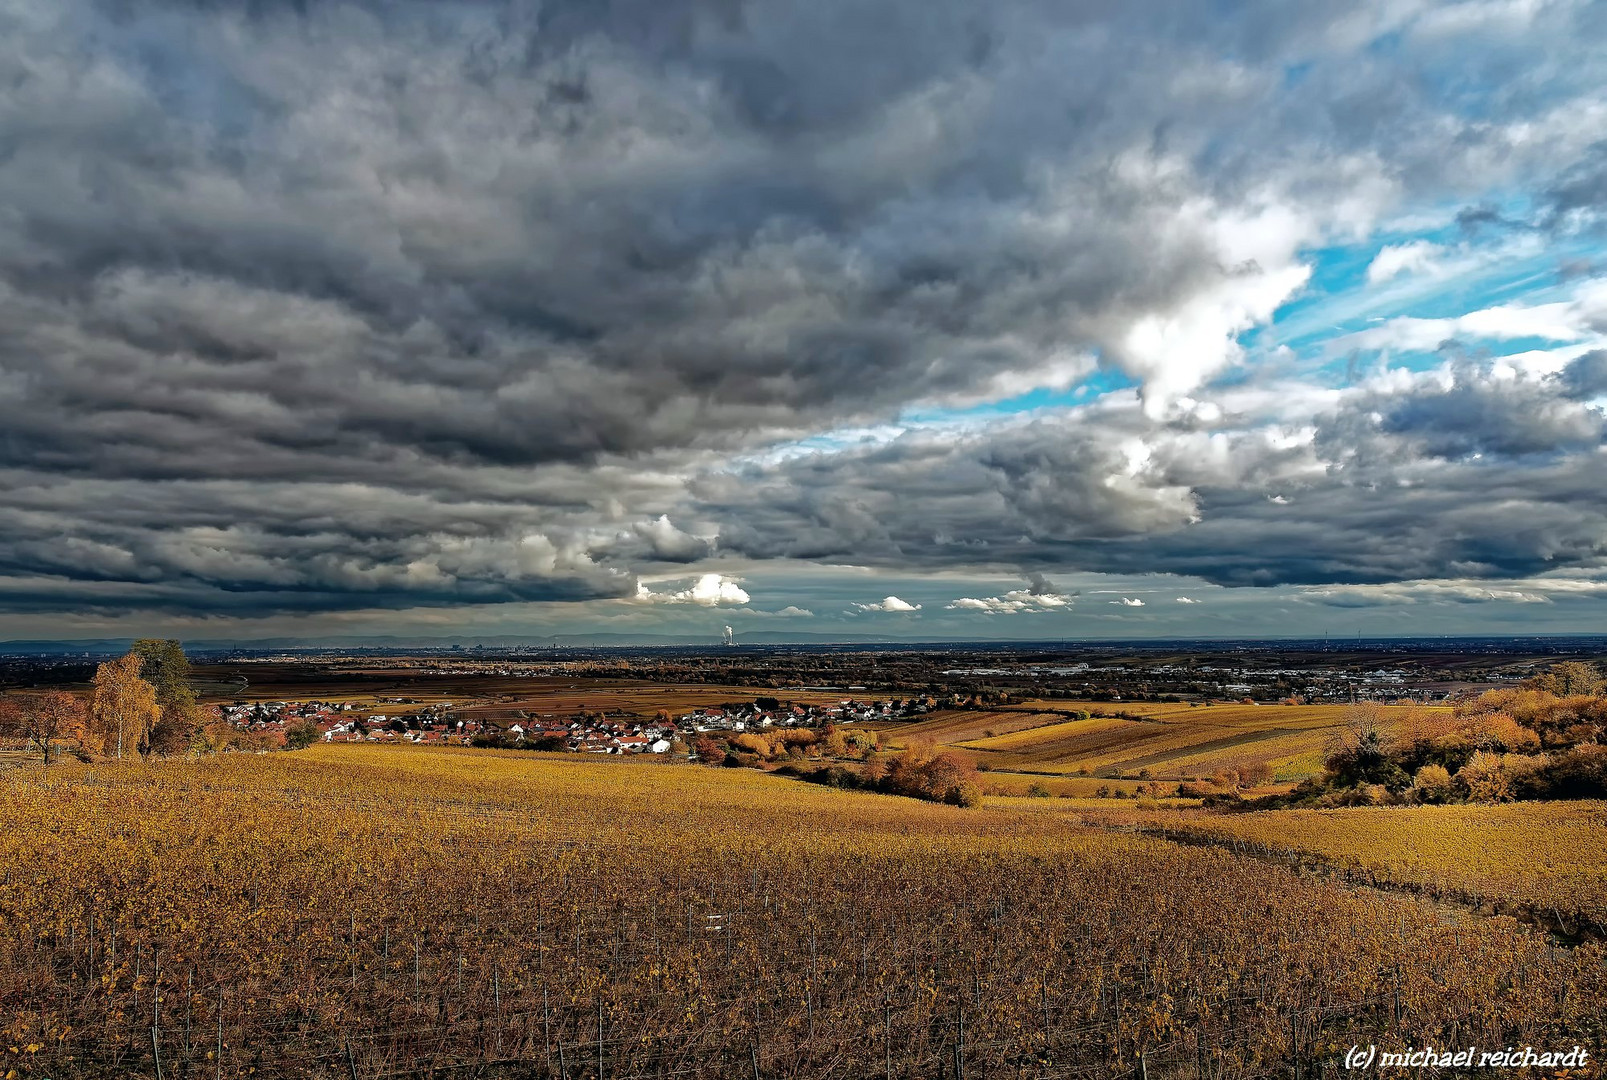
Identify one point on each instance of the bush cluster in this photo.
(915, 773)
(1528, 742)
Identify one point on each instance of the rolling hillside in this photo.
(1168, 741)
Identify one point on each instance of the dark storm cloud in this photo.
(362, 304)
(1475, 415)
(262, 547)
(518, 238)
(933, 499)
(1474, 477)
(660, 540)
(1585, 377)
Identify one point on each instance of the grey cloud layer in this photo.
(1464, 474)
(333, 305)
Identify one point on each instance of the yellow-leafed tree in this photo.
(124, 709)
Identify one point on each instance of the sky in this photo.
(923, 319)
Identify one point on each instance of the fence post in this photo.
(959, 1048)
(1397, 994)
(189, 1008)
(496, 991)
(218, 1057)
(887, 1035)
(156, 1010)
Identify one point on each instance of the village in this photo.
(406, 720)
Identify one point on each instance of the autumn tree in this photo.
(1432, 784)
(753, 744)
(44, 720)
(708, 751)
(940, 778)
(1361, 753)
(946, 778)
(1485, 778)
(124, 710)
(1256, 773)
(302, 734)
(864, 742)
(167, 669)
(214, 733)
(1569, 678)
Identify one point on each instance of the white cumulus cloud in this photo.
(709, 590)
(890, 603)
(1015, 602)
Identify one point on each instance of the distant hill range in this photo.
(116, 646)
(1582, 645)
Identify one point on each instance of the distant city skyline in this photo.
(927, 320)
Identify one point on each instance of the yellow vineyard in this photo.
(1170, 741)
(1547, 860)
(384, 912)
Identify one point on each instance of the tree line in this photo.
(139, 704)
